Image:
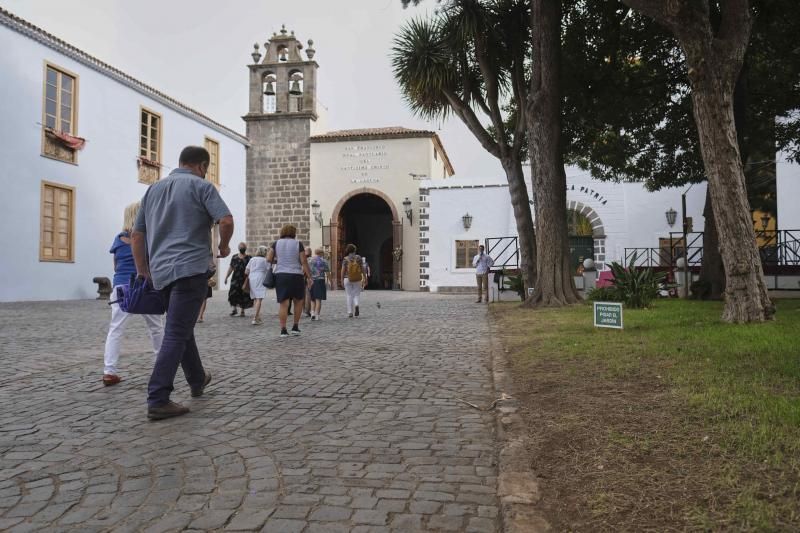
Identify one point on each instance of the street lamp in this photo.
(409, 211)
(315, 210)
(467, 221)
(671, 215)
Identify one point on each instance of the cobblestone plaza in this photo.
(357, 425)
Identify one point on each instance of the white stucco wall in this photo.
(788, 191)
(105, 178)
(631, 217)
(490, 207)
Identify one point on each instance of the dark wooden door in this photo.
(580, 248)
(338, 251)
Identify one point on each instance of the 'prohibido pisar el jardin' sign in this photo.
(608, 315)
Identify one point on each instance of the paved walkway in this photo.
(354, 426)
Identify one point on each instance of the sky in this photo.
(197, 50)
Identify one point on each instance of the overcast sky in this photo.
(197, 51)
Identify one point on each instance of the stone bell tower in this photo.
(283, 104)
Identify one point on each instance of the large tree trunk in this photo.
(714, 55)
(522, 216)
(712, 271)
(555, 285)
(746, 297)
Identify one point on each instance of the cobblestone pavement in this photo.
(354, 426)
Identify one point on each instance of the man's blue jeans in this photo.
(184, 298)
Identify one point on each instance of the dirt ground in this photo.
(621, 451)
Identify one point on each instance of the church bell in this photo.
(295, 89)
(270, 89)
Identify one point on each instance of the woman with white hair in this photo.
(124, 269)
(256, 272)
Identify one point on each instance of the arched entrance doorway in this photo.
(587, 236)
(368, 220)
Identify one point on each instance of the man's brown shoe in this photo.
(111, 379)
(196, 393)
(168, 410)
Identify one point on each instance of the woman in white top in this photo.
(256, 272)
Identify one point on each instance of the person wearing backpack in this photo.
(352, 279)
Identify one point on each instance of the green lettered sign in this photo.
(608, 315)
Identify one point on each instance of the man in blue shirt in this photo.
(173, 228)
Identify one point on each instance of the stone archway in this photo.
(338, 229)
(337, 211)
(598, 231)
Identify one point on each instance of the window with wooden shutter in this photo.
(465, 251)
(213, 166)
(59, 112)
(57, 239)
(149, 146)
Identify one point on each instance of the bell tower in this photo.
(283, 105)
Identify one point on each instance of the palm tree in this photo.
(470, 60)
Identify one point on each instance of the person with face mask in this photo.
(237, 296)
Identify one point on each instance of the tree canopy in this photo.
(628, 108)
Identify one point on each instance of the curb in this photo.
(517, 487)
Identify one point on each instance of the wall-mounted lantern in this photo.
(409, 211)
(467, 221)
(315, 210)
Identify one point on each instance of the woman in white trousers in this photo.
(124, 268)
(352, 279)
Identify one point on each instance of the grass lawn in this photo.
(677, 422)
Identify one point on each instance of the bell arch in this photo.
(296, 90)
(268, 92)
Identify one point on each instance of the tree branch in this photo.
(737, 20)
(492, 91)
(734, 33)
(520, 95)
(468, 117)
(658, 10)
(478, 97)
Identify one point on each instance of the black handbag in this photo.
(269, 279)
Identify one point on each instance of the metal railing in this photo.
(777, 248)
(504, 251)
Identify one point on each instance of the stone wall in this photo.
(424, 227)
(278, 176)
